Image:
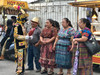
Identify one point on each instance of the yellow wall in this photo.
(1, 2)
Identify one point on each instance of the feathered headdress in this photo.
(22, 16)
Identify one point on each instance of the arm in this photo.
(83, 39)
(71, 39)
(41, 38)
(72, 46)
(56, 41)
(38, 43)
(17, 36)
(50, 40)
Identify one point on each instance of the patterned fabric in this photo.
(62, 47)
(86, 32)
(85, 71)
(47, 55)
(21, 61)
(85, 60)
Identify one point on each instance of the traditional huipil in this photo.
(47, 55)
(85, 60)
(62, 48)
(20, 42)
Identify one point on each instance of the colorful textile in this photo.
(20, 42)
(62, 47)
(85, 32)
(85, 71)
(21, 61)
(85, 60)
(47, 55)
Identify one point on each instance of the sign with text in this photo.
(10, 3)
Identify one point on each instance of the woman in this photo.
(56, 25)
(62, 43)
(6, 37)
(47, 38)
(85, 60)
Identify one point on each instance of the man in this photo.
(34, 47)
(6, 38)
(11, 38)
(20, 40)
(10, 41)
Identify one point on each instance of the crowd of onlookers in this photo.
(54, 47)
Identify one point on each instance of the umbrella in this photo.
(75, 67)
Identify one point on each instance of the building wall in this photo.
(56, 11)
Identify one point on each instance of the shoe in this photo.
(68, 73)
(28, 69)
(60, 73)
(44, 72)
(21, 73)
(38, 70)
(51, 73)
(2, 57)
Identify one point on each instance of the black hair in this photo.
(68, 21)
(56, 24)
(13, 18)
(9, 23)
(87, 22)
(51, 21)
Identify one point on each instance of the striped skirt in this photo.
(63, 57)
(85, 60)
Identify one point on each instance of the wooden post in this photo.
(77, 17)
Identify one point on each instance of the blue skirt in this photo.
(63, 57)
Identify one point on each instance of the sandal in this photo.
(50, 73)
(60, 73)
(44, 72)
(68, 73)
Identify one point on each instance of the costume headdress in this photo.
(22, 15)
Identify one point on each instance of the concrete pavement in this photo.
(8, 68)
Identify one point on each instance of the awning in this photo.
(89, 4)
(9, 4)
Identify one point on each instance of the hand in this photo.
(74, 41)
(26, 37)
(36, 44)
(31, 37)
(71, 49)
(54, 47)
(44, 42)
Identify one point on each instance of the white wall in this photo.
(56, 11)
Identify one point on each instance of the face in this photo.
(48, 24)
(33, 24)
(81, 24)
(64, 23)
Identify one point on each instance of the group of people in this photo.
(52, 47)
(8, 37)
